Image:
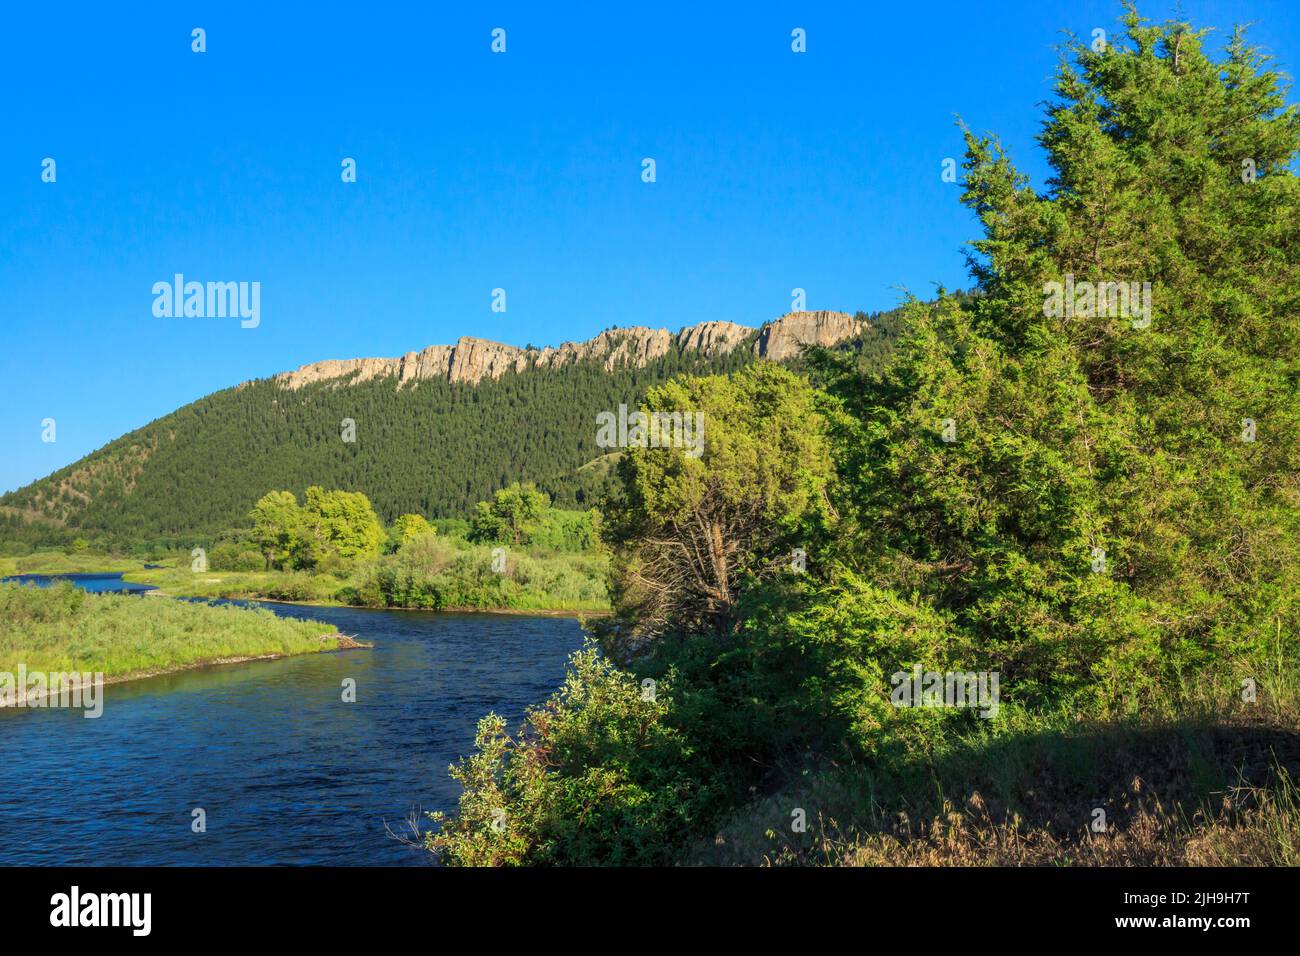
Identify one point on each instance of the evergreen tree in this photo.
(1084, 496)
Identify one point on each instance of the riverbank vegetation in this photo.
(1099, 509)
(63, 629)
(428, 573)
(518, 553)
(81, 561)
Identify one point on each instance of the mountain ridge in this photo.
(435, 431)
(472, 358)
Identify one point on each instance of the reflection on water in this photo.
(286, 772)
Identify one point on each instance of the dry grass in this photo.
(1254, 827)
(1179, 794)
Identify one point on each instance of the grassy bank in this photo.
(437, 574)
(64, 629)
(297, 586)
(1199, 789)
(62, 562)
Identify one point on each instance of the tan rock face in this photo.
(471, 359)
(366, 368)
(475, 359)
(712, 338)
(433, 362)
(784, 338)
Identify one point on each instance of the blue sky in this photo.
(478, 171)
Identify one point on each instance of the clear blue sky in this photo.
(478, 171)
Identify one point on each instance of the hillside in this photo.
(436, 430)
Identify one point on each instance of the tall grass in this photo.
(1191, 785)
(61, 562)
(301, 586)
(62, 628)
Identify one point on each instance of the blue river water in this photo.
(94, 583)
(285, 771)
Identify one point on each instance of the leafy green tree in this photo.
(690, 533)
(342, 522)
(1074, 497)
(277, 526)
(406, 528)
(564, 530)
(511, 515)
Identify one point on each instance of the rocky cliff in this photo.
(471, 359)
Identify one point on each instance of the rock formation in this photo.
(782, 339)
(471, 359)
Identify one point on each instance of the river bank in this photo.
(454, 576)
(576, 615)
(61, 629)
(440, 593)
(73, 687)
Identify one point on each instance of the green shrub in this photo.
(560, 530)
(597, 775)
(230, 556)
(298, 586)
(435, 572)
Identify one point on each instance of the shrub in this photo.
(596, 775)
(230, 556)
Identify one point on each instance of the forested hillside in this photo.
(436, 449)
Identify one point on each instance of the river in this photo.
(284, 770)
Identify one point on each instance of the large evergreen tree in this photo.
(1079, 498)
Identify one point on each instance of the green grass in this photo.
(299, 586)
(441, 574)
(61, 562)
(62, 628)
